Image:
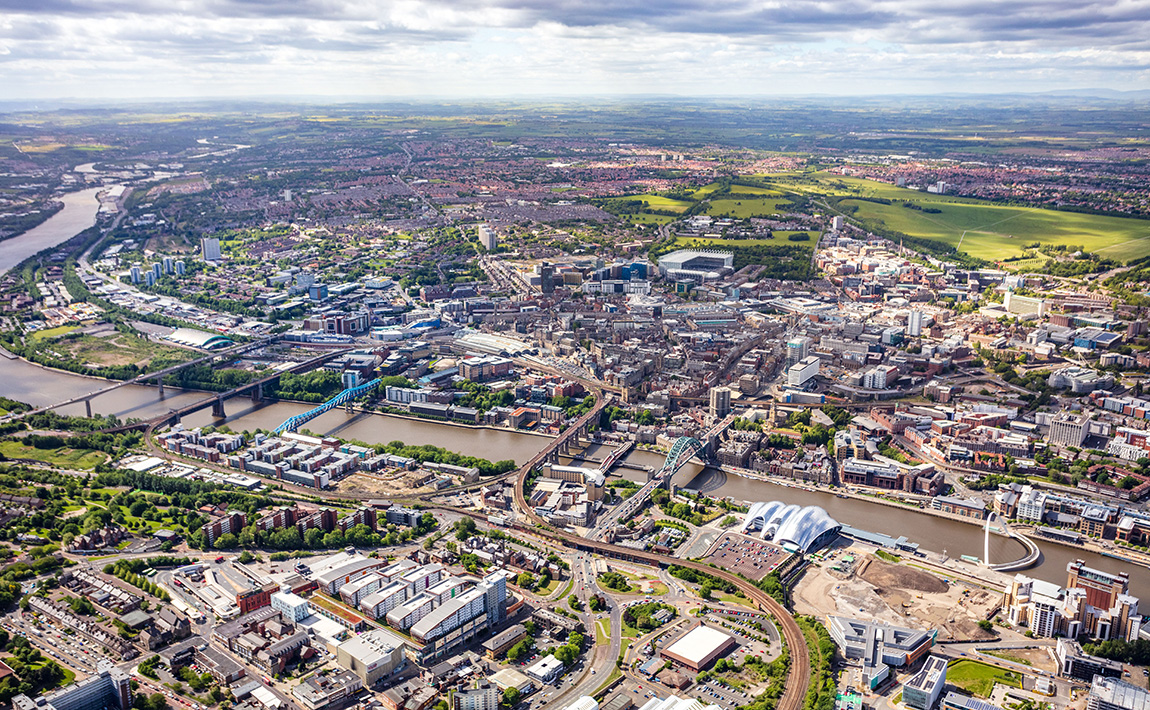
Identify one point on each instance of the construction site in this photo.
(852, 581)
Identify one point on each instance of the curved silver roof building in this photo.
(791, 527)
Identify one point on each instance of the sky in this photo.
(145, 49)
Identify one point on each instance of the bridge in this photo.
(216, 401)
(682, 451)
(799, 675)
(293, 423)
(615, 456)
(157, 376)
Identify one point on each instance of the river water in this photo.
(79, 213)
(39, 386)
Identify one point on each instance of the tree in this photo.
(520, 649)
(985, 625)
(511, 697)
(574, 602)
(227, 541)
(525, 580)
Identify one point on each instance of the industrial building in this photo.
(699, 647)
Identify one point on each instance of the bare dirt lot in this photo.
(895, 594)
(370, 486)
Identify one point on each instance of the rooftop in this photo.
(699, 643)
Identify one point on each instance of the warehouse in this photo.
(698, 648)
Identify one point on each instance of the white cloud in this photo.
(146, 48)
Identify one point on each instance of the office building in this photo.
(210, 249)
(921, 692)
(373, 655)
(720, 402)
(546, 278)
(545, 670)
(914, 324)
(1075, 663)
(879, 646)
(293, 607)
(957, 701)
(1068, 430)
(803, 371)
(797, 349)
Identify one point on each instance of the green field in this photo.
(49, 333)
(979, 678)
(741, 209)
(77, 459)
(996, 232)
(644, 218)
(780, 239)
(736, 189)
(656, 202)
(981, 229)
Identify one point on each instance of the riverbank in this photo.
(1090, 546)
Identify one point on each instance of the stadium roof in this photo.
(199, 339)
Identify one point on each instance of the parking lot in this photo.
(69, 650)
(745, 555)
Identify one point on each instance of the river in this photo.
(79, 213)
(38, 386)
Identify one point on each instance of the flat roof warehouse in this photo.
(699, 647)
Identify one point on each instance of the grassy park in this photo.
(979, 678)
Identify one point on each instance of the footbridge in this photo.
(293, 423)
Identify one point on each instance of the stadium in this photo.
(791, 527)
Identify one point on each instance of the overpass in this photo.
(157, 376)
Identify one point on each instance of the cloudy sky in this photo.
(491, 48)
